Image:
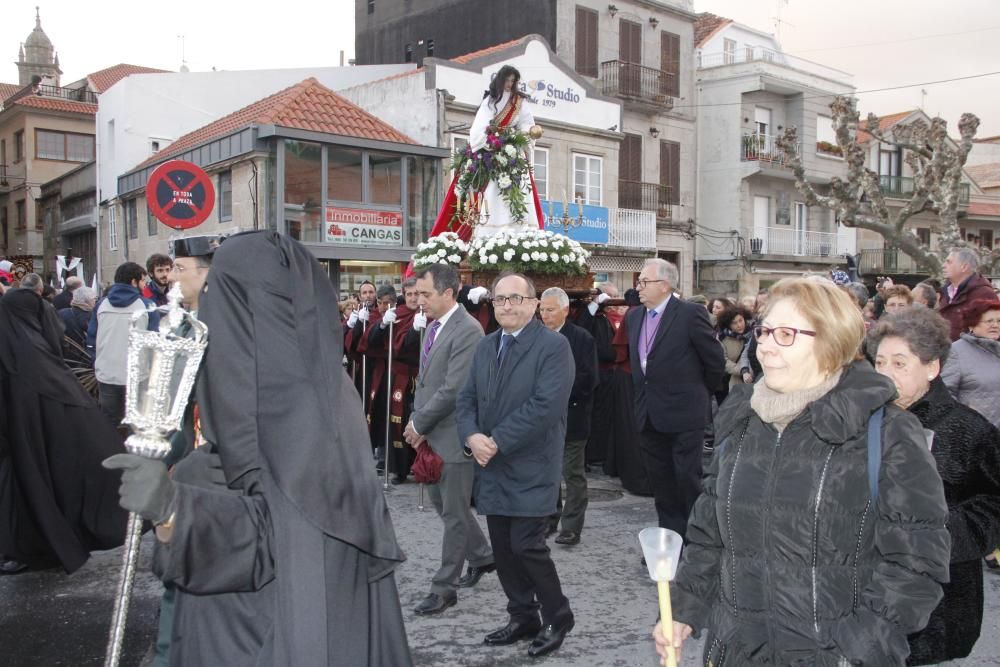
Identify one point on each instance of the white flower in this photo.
(508, 255)
(567, 259)
(501, 160)
(535, 256)
(525, 257)
(454, 259)
(543, 243)
(503, 181)
(442, 252)
(510, 150)
(494, 259)
(544, 256)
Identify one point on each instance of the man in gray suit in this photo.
(444, 364)
(511, 415)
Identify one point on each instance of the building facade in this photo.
(754, 228)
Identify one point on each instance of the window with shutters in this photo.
(670, 169)
(630, 172)
(112, 229)
(586, 41)
(670, 57)
(629, 41)
(728, 51)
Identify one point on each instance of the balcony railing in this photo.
(41, 90)
(645, 197)
(632, 228)
(798, 242)
(878, 261)
(763, 148)
(901, 187)
(759, 54)
(635, 82)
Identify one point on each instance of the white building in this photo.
(753, 227)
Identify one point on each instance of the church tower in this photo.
(37, 56)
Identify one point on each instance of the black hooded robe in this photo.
(310, 534)
(57, 504)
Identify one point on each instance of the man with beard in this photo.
(308, 533)
(57, 503)
(158, 268)
(405, 365)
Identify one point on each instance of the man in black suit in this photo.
(511, 416)
(676, 362)
(554, 309)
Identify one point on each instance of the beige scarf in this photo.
(779, 409)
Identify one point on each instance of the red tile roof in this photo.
(8, 89)
(884, 123)
(707, 26)
(468, 57)
(983, 208)
(308, 105)
(103, 79)
(56, 104)
(985, 175)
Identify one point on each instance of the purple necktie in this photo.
(648, 334)
(429, 341)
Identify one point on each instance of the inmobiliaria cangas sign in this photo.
(358, 226)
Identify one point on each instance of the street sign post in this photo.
(180, 194)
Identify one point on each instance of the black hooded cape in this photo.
(56, 501)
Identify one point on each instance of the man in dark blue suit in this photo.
(676, 362)
(511, 416)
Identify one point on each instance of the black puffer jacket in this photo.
(787, 562)
(967, 451)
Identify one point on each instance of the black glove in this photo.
(146, 489)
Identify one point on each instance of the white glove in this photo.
(364, 314)
(596, 303)
(477, 293)
(419, 321)
(388, 318)
(352, 320)
(601, 298)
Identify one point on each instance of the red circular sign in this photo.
(180, 194)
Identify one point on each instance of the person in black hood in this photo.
(799, 552)
(910, 347)
(57, 502)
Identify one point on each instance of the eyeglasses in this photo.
(515, 300)
(642, 283)
(783, 336)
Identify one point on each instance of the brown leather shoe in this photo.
(568, 537)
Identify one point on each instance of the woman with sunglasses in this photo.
(795, 555)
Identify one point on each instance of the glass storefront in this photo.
(351, 273)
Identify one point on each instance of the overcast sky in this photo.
(883, 43)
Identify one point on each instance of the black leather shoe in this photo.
(549, 639)
(398, 479)
(568, 537)
(474, 574)
(434, 604)
(513, 632)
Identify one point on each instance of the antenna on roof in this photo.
(184, 66)
(923, 98)
(777, 20)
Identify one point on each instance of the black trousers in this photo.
(673, 463)
(526, 570)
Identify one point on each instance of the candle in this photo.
(550, 209)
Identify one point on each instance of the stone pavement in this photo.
(48, 618)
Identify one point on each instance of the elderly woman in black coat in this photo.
(796, 554)
(910, 347)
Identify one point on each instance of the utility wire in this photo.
(897, 41)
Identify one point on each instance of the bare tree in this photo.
(936, 162)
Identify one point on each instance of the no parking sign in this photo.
(180, 194)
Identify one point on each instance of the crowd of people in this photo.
(852, 494)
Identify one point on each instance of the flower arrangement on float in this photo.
(502, 159)
(530, 251)
(446, 248)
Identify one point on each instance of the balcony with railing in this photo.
(796, 242)
(901, 187)
(881, 261)
(764, 148)
(632, 228)
(646, 86)
(58, 92)
(762, 59)
(646, 197)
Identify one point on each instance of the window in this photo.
(824, 130)
(670, 56)
(985, 238)
(748, 53)
(670, 170)
(131, 221)
(408, 54)
(343, 169)
(18, 146)
(3, 159)
(728, 51)
(430, 48)
(630, 172)
(21, 219)
(385, 176)
(65, 146)
(888, 163)
(4, 226)
(541, 172)
(371, 6)
(587, 177)
(458, 143)
(154, 147)
(303, 190)
(586, 41)
(225, 196)
(152, 224)
(924, 234)
(629, 41)
(761, 120)
(112, 228)
(421, 189)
